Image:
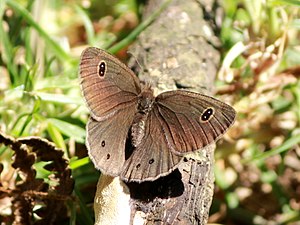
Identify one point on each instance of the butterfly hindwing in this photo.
(152, 158)
(106, 141)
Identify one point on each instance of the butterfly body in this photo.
(135, 135)
(145, 103)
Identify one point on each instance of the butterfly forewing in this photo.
(107, 84)
(191, 120)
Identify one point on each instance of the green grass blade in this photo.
(59, 98)
(85, 212)
(8, 53)
(76, 163)
(69, 129)
(29, 19)
(296, 91)
(289, 2)
(87, 25)
(56, 136)
(287, 145)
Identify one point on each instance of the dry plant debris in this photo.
(30, 198)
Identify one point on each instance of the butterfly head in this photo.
(146, 99)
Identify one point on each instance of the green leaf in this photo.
(41, 172)
(232, 200)
(59, 51)
(281, 104)
(68, 129)
(289, 2)
(7, 50)
(88, 25)
(76, 163)
(60, 98)
(56, 136)
(287, 145)
(85, 212)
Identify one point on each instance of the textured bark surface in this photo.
(177, 51)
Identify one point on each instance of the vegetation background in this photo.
(257, 166)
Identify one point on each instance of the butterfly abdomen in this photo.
(138, 128)
(145, 103)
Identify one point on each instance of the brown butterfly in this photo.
(158, 130)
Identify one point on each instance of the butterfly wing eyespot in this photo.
(207, 115)
(103, 143)
(102, 68)
(108, 156)
(151, 161)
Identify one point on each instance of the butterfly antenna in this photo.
(136, 60)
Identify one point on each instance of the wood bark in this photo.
(178, 50)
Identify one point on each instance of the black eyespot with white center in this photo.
(151, 161)
(138, 166)
(103, 143)
(108, 156)
(207, 115)
(102, 67)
